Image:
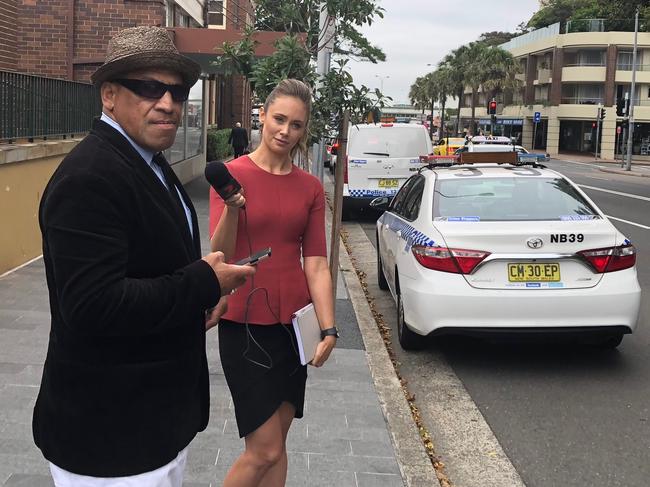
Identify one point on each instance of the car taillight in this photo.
(610, 259)
(345, 170)
(458, 261)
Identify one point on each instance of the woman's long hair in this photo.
(301, 91)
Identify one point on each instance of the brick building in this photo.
(67, 39)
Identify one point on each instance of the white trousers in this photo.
(170, 475)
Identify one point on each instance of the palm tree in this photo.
(500, 71)
(418, 93)
(453, 63)
(477, 65)
(443, 80)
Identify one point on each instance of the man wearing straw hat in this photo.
(125, 381)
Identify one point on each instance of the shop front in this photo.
(506, 127)
(577, 136)
(640, 139)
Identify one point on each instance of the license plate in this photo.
(529, 272)
(388, 183)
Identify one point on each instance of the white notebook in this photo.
(305, 324)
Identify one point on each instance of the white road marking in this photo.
(628, 222)
(594, 177)
(580, 163)
(635, 196)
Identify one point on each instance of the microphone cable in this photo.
(249, 335)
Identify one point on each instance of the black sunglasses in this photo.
(154, 90)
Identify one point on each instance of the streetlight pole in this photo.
(381, 82)
(630, 129)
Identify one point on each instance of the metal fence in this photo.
(36, 107)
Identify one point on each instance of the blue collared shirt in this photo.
(148, 157)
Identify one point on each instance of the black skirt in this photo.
(262, 369)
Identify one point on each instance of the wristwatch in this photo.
(329, 332)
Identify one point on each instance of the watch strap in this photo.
(329, 332)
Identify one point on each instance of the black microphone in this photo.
(221, 180)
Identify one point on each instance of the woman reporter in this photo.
(282, 207)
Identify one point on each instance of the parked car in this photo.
(484, 248)
(448, 145)
(380, 158)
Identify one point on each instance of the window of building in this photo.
(582, 94)
(585, 57)
(169, 13)
(216, 10)
(189, 138)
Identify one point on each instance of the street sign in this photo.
(619, 129)
(537, 117)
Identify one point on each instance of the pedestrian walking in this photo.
(238, 139)
(282, 207)
(125, 382)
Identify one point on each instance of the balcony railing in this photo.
(628, 67)
(586, 64)
(604, 25)
(33, 106)
(581, 100)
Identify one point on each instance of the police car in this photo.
(380, 158)
(479, 248)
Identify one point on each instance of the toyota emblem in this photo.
(534, 242)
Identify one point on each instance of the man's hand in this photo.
(230, 276)
(212, 316)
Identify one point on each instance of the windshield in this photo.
(509, 199)
(388, 142)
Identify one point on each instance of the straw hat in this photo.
(144, 47)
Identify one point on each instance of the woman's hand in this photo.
(323, 350)
(237, 200)
(212, 316)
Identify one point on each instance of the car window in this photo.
(398, 200)
(389, 142)
(412, 201)
(509, 199)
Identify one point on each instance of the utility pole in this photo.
(630, 129)
(598, 117)
(326, 36)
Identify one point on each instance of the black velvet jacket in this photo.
(125, 381)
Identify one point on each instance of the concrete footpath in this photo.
(357, 430)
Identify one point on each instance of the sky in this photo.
(414, 33)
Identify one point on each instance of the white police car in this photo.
(380, 158)
(488, 247)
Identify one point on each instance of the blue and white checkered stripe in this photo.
(409, 234)
(371, 193)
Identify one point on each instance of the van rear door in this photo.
(381, 157)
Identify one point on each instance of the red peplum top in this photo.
(284, 212)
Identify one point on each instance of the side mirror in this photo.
(380, 203)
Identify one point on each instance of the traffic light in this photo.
(492, 107)
(593, 125)
(601, 113)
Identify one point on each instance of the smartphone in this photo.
(256, 257)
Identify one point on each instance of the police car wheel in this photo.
(381, 278)
(346, 212)
(408, 339)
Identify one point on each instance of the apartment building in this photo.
(567, 76)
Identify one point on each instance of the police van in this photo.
(380, 158)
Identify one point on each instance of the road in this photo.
(564, 414)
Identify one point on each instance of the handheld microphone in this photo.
(221, 180)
